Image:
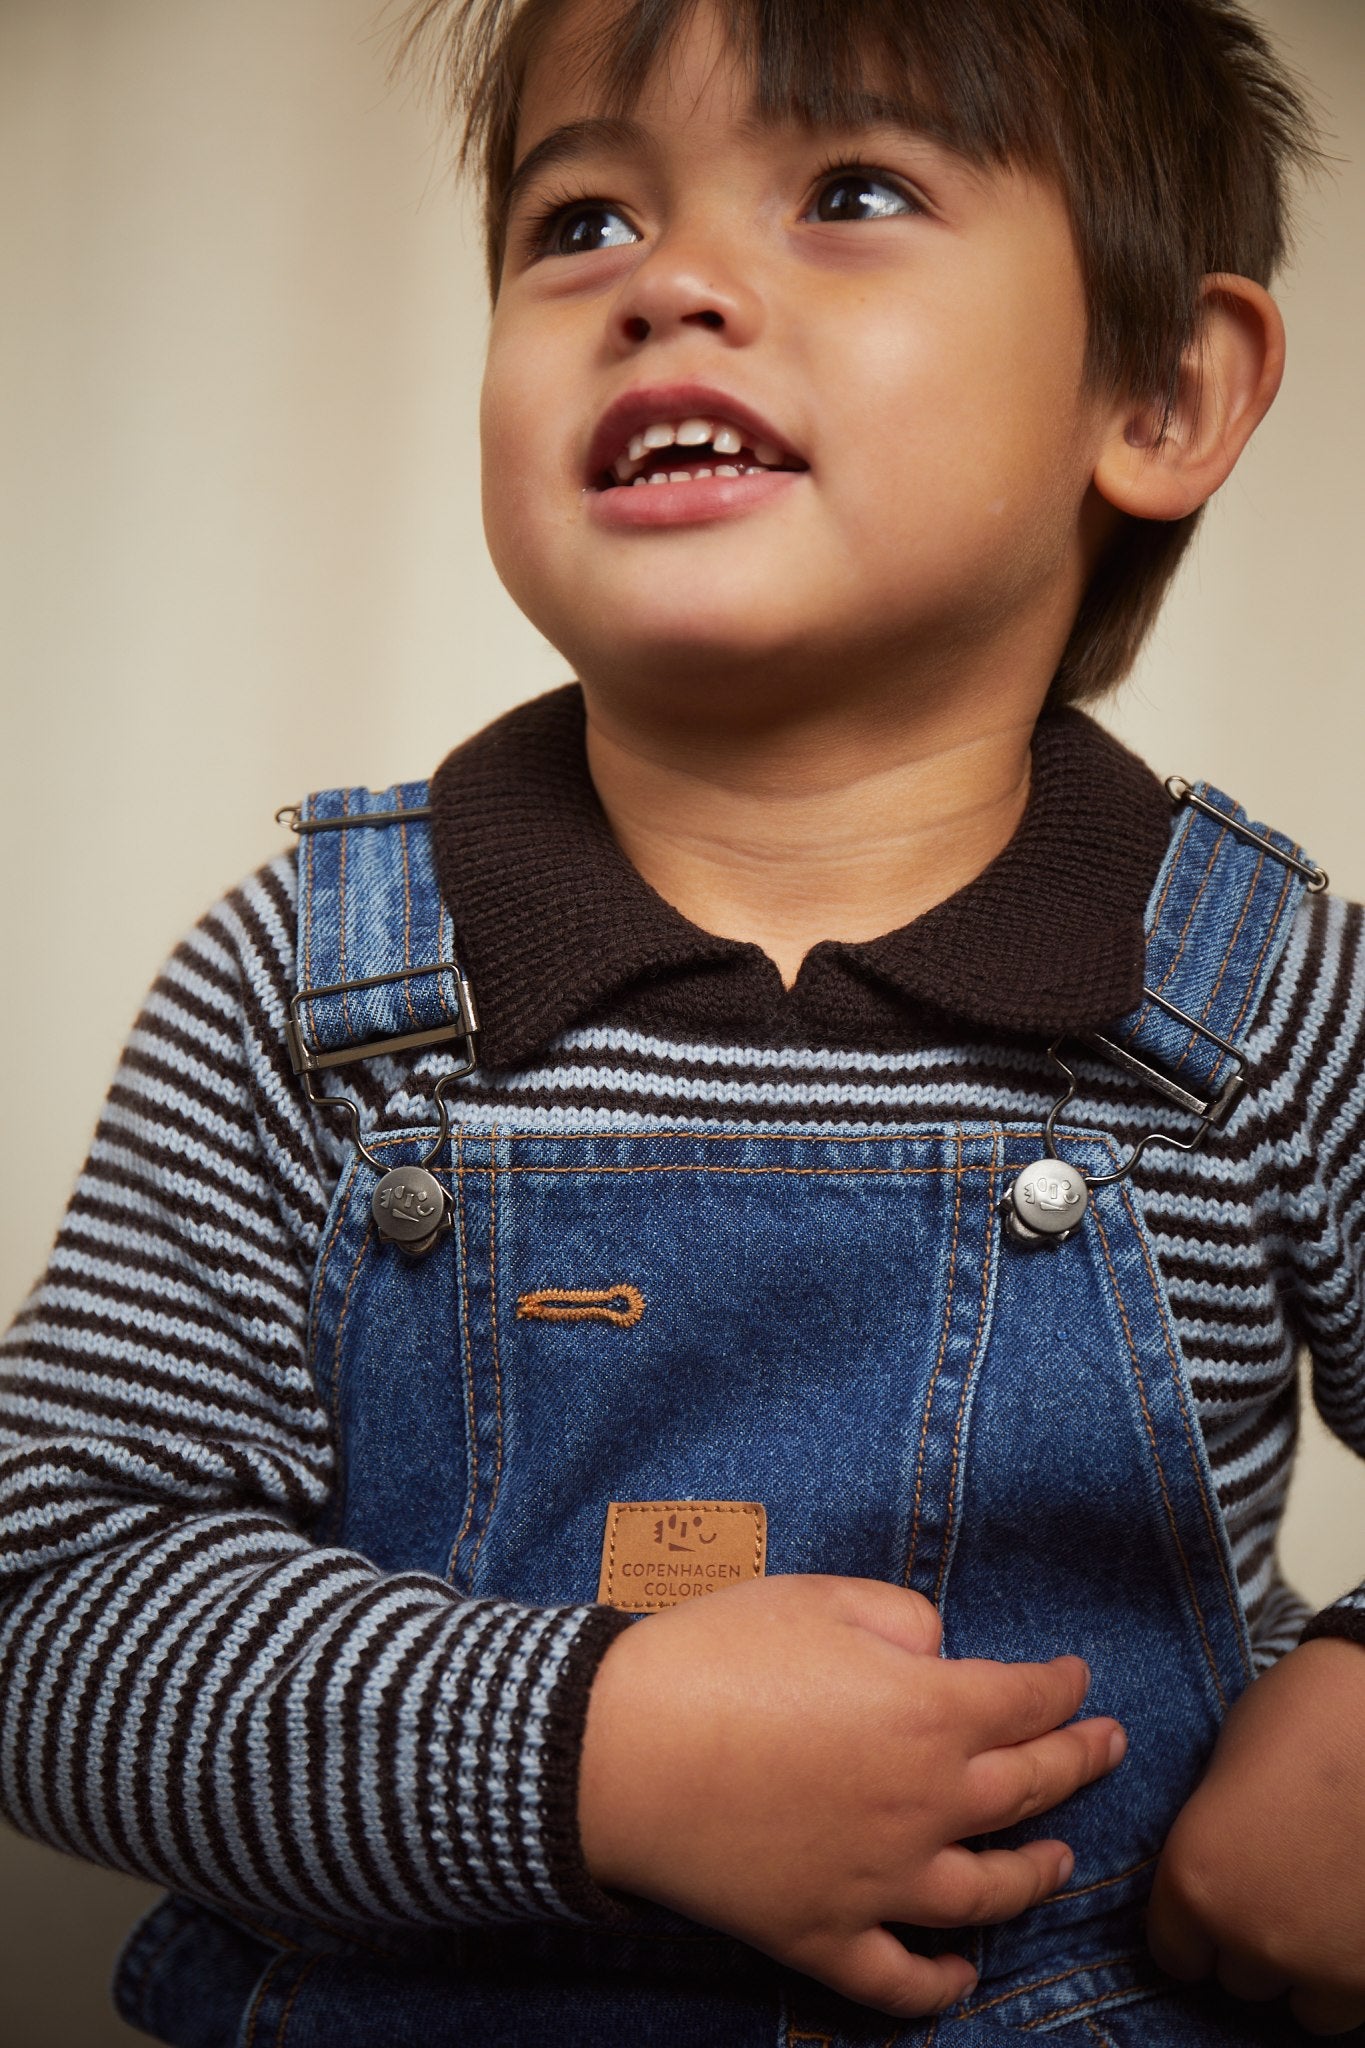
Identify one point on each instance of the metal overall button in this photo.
(411, 1209)
(1047, 1201)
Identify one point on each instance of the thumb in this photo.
(875, 1969)
(895, 1613)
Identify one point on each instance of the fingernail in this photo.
(956, 1997)
(1065, 1867)
(1118, 1747)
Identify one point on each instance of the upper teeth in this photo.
(690, 433)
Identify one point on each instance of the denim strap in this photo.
(376, 957)
(1217, 922)
(370, 911)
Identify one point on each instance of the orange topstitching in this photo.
(908, 1573)
(497, 1358)
(1171, 1519)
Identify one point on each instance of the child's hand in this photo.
(791, 1761)
(1262, 1878)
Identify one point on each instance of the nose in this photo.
(682, 284)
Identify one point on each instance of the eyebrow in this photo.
(598, 135)
(616, 135)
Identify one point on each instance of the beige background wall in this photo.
(242, 321)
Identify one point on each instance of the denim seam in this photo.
(1175, 863)
(341, 915)
(1272, 931)
(493, 1334)
(1184, 933)
(1102, 1883)
(1248, 899)
(304, 1974)
(145, 1965)
(1103, 1139)
(1171, 1519)
(906, 2037)
(1204, 881)
(938, 1368)
(407, 907)
(1098, 2034)
(916, 1134)
(254, 2010)
(308, 891)
(970, 2012)
(968, 1378)
(1082, 2005)
(1210, 1522)
(471, 1413)
(800, 1172)
(582, 1304)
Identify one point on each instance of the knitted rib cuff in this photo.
(565, 1724)
(1346, 1619)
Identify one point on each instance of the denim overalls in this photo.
(844, 1328)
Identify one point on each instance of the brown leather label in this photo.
(658, 1553)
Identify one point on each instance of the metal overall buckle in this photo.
(1048, 1201)
(410, 1207)
(1046, 1204)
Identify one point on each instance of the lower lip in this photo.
(694, 504)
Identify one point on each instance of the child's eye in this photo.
(578, 230)
(849, 193)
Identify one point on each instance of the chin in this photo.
(686, 632)
(739, 659)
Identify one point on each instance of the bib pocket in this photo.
(789, 1322)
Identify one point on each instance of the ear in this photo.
(1228, 380)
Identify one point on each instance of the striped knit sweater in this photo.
(192, 1689)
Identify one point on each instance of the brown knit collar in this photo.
(552, 920)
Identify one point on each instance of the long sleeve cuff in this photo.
(551, 1755)
(1344, 1618)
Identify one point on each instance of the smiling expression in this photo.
(854, 359)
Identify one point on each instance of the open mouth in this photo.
(689, 451)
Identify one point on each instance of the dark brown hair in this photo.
(1170, 126)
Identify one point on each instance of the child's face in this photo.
(911, 335)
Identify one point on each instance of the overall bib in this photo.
(841, 1328)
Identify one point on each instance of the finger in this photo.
(1178, 1942)
(1328, 2012)
(1007, 1703)
(875, 1969)
(979, 1888)
(1247, 1978)
(1009, 1785)
(901, 1616)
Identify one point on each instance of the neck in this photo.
(841, 821)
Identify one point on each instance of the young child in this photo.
(626, 1361)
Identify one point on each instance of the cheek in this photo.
(511, 433)
(955, 397)
(502, 424)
